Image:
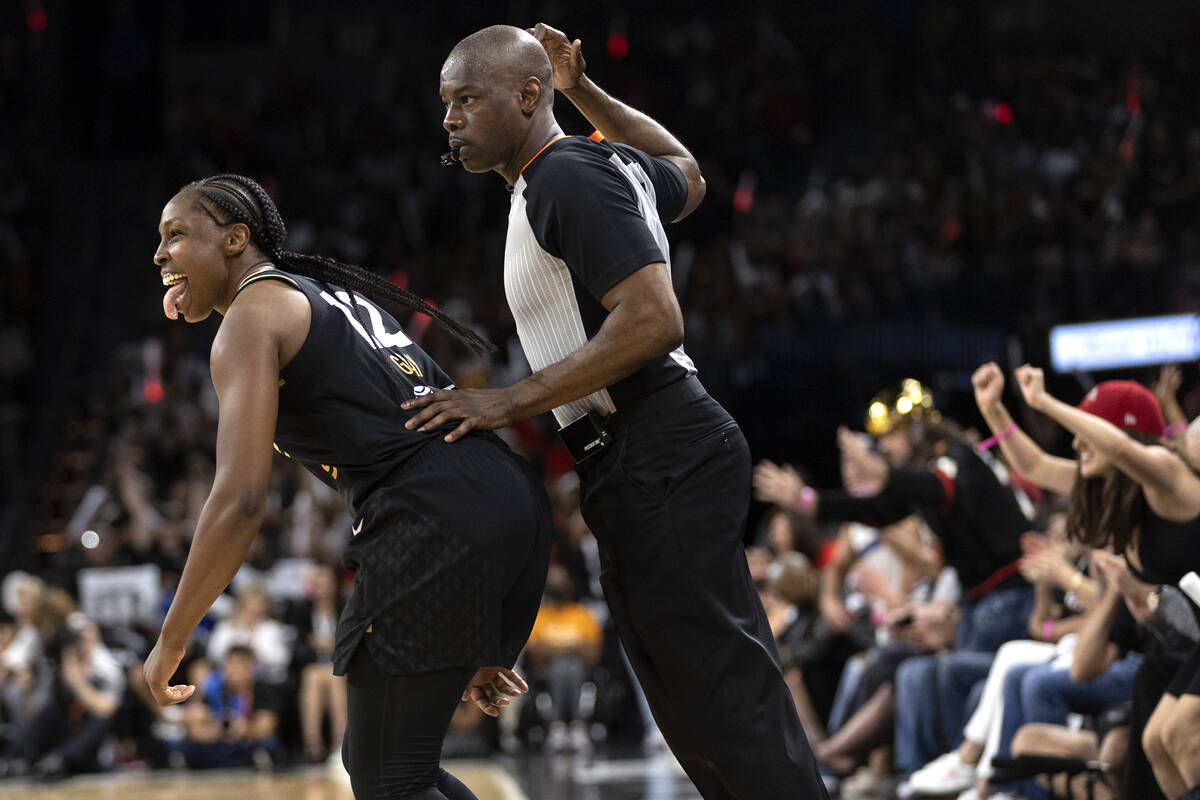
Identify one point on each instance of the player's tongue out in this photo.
(171, 299)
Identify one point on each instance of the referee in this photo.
(665, 471)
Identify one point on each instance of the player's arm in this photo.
(612, 118)
(245, 373)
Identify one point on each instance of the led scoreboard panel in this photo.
(1125, 343)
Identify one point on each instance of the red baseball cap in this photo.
(1126, 404)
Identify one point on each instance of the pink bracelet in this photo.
(992, 441)
(1174, 429)
(808, 497)
(1047, 630)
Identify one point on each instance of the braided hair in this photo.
(242, 199)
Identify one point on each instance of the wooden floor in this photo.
(489, 782)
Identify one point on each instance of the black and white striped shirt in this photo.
(586, 215)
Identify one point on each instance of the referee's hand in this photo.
(491, 687)
(478, 409)
(566, 56)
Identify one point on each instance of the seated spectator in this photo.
(564, 646)
(64, 736)
(1032, 682)
(789, 592)
(924, 464)
(235, 725)
(22, 653)
(321, 692)
(250, 626)
(914, 628)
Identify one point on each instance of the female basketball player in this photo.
(450, 543)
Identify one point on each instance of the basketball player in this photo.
(449, 567)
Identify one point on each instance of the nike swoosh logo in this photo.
(356, 528)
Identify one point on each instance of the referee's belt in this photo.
(586, 436)
(591, 433)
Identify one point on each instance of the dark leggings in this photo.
(393, 742)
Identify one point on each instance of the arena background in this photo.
(894, 189)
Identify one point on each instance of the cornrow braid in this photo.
(244, 200)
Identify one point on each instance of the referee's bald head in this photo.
(506, 54)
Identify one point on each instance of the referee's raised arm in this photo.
(612, 118)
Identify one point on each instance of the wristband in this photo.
(1174, 429)
(808, 498)
(1047, 630)
(992, 441)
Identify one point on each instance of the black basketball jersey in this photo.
(339, 408)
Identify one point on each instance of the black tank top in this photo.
(1167, 550)
(339, 408)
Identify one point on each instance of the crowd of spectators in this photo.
(952, 687)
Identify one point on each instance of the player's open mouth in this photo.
(177, 282)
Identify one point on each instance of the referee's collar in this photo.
(539, 152)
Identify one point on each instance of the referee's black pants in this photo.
(667, 501)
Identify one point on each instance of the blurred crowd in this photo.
(992, 620)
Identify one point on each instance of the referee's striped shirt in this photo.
(586, 215)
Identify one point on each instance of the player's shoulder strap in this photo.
(266, 272)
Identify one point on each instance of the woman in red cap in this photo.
(1130, 492)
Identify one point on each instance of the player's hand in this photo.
(566, 56)
(988, 381)
(491, 687)
(1033, 385)
(159, 667)
(478, 409)
(779, 485)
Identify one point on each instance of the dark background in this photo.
(895, 189)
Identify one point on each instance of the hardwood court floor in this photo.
(487, 781)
